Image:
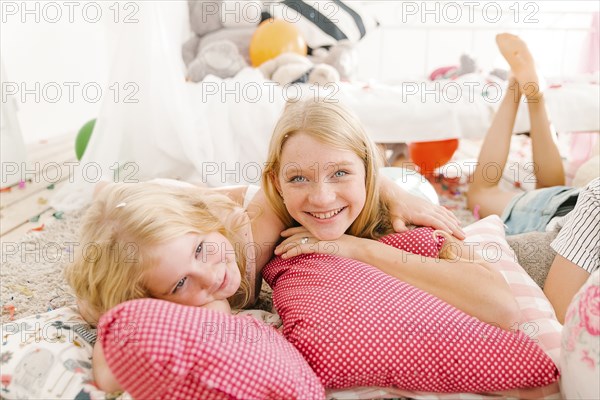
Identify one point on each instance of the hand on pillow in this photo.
(357, 326)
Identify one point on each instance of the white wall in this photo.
(416, 37)
(43, 59)
(76, 49)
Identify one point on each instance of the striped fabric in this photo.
(322, 23)
(579, 239)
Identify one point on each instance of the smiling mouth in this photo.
(326, 215)
(224, 283)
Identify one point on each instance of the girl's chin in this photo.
(325, 235)
(324, 231)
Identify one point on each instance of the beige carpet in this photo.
(32, 271)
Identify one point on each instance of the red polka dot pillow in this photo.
(357, 326)
(162, 350)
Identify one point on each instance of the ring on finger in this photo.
(304, 240)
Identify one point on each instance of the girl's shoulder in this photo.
(249, 195)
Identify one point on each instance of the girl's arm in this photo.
(473, 287)
(103, 377)
(406, 209)
(564, 280)
(266, 230)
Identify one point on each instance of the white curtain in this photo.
(217, 132)
(161, 126)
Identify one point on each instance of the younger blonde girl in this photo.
(123, 239)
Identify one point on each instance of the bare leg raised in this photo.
(483, 189)
(546, 157)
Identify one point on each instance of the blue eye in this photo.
(298, 179)
(179, 284)
(340, 174)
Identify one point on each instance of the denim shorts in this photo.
(533, 210)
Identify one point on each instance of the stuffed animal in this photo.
(343, 56)
(222, 50)
(294, 68)
(214, 49)
(220, 58)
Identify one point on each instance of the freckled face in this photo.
(194, 269)
(323, 187)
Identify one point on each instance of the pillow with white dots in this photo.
(357, 326)
(162, 350)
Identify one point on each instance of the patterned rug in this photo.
(31, 272)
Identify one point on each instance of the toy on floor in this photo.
(294, 68)
(431, 155)
(274, 37)
(10, 308)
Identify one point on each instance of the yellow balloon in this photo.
(274, 37)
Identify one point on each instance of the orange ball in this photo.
(431, 155)
(274, 37)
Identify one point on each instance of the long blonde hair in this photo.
(126, 220)
(336, 126)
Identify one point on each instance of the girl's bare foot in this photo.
(522, 66)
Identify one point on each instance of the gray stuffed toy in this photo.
(220, 58)
(214, 49)
(343, 56)
(468, 65)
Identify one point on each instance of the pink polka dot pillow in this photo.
(161, 350)
(357, 326)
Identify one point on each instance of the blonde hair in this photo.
(126, 220)
(336, 126)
